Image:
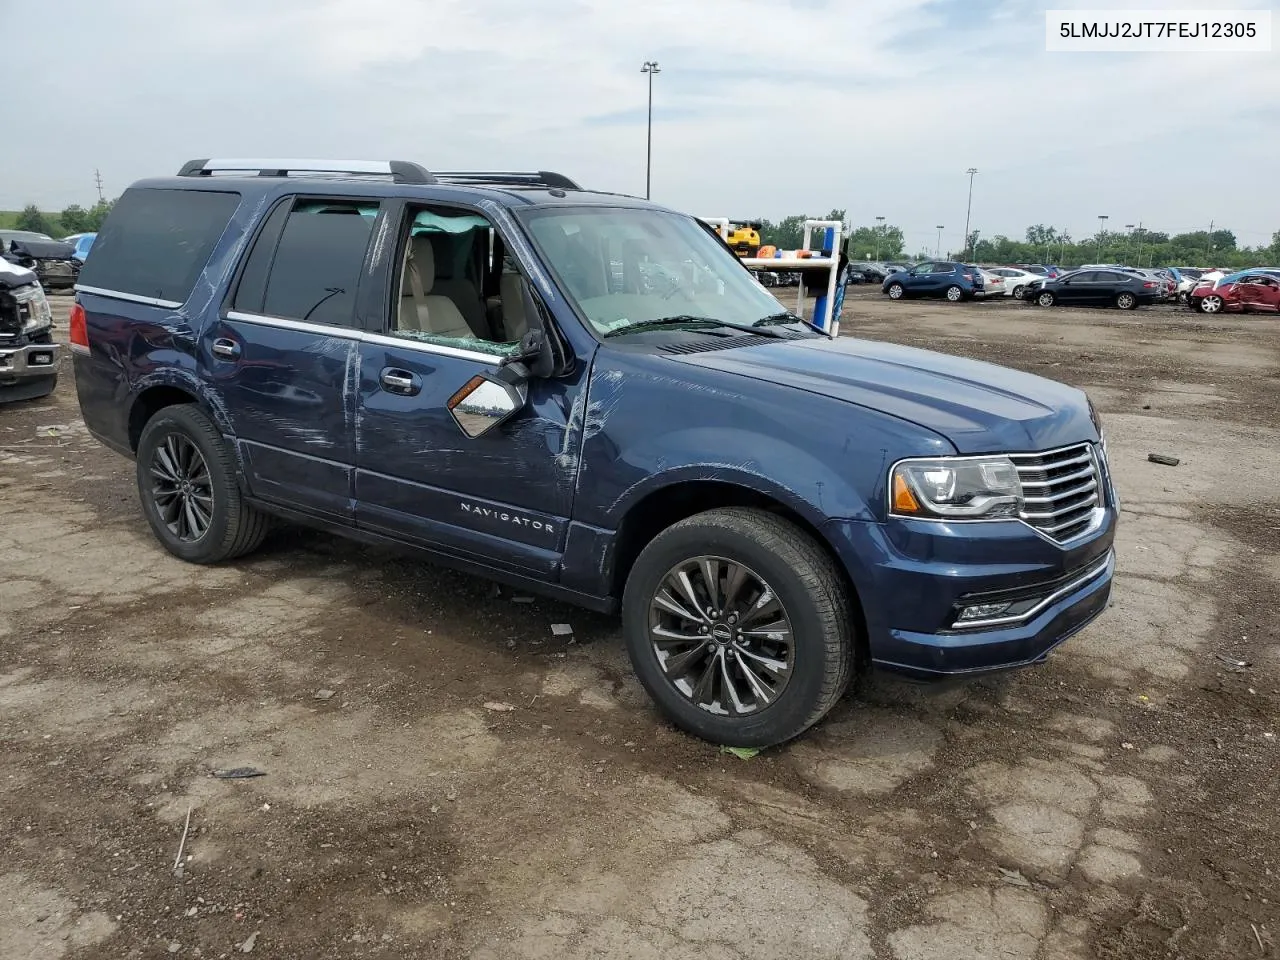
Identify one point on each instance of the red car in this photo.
(1254, 293)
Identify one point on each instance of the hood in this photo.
(42, 249)
(12, 275)
(979, 407)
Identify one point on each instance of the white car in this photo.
(1015, 280)
(993, 285)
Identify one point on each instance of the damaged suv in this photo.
(28, 354)
(586, 395)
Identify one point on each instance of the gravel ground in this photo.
(1117, 802)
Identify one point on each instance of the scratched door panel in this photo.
(290, 399)
(505, 497)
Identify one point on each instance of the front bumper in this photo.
(22, 364)
(915, 577)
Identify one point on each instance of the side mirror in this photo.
(486, 401)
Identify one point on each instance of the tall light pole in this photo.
(1102, 228)
(1140, 232)
(969, 209)
(937, 251)
(1129, 239)
(879, 228)
(650, 67)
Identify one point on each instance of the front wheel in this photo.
(187, 485)
(1211, 304)
(739, 626)
(896, 291)
(954, 293)
(1046, 299)
(1017, 292)
(1126, 301)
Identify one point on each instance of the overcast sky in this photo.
(762, 108)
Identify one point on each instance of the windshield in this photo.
(627, 267)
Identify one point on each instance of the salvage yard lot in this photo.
(477, 787)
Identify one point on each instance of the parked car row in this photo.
(56, 263)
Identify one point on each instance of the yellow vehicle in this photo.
(744, 237)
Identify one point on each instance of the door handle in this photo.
(400, 381)
(225, 348)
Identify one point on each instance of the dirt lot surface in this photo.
(475, 787)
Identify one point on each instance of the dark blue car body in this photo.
(562, 497)
(945, 278)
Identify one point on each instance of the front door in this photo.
(1258, 293)
(503, 499)
(1076, 288)
(917, 278)
(283, 355)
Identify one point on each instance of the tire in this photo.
(174, 445)
(954, 293)
(1017, 292)
(896, 291)
(1126, 301)
(811, 598)
(1046, 299)
(1212, 303)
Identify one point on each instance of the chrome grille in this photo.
(1060, 490)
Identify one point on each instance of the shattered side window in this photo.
(462, 343)
(451, 291)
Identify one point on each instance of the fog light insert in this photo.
(982, 611)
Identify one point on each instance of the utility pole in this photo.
(937, 251)
(1139, 243)
(879, 227)
(1211, 266)
(1102, 229)
(1129, 240)
(969, 209)
(97, 177)
(650, 67)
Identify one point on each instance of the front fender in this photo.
(810, 488)
(651, 420)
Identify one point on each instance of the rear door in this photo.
(284, 356)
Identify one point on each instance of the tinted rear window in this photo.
(156, 242)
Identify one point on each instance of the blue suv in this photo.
(939, 278)
(586, 395)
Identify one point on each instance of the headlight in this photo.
(973, 488)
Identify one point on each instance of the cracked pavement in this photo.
(1116, 802)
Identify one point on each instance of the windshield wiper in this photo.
(706, 322)
(786, 316)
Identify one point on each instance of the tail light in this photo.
(968, 276)
(79, 330)
(1148, 285)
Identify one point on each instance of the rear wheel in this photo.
(1211, 303)
(1017, 292)
(738, 625)
(954, 293)
(1046, 299)
(1126, 301)
(187, 484)
(896, 291)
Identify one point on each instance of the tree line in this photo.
(1045, 244)
(73, 219)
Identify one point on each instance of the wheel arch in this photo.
(660, 508)
(166, 389)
